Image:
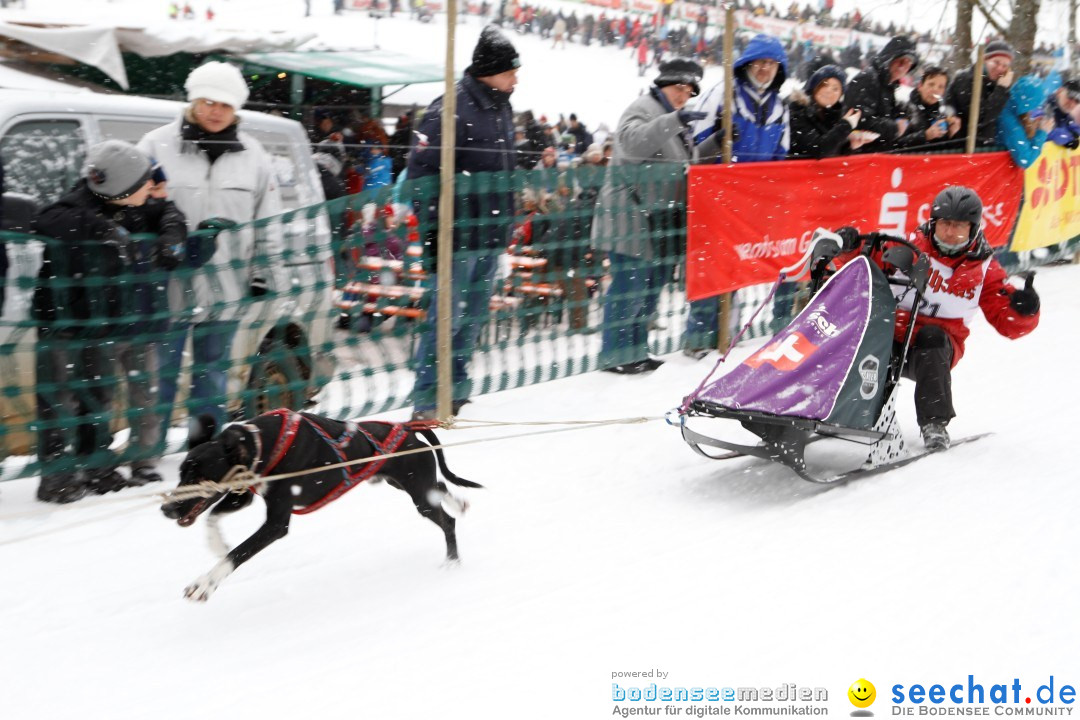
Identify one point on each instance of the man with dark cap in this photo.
(637, 223)
(484, 143)
(997, 78)
(873, 91)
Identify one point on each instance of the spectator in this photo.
(86, 321)
(929, 121)
(761, 132)
(629, 219)
(3, 246)
(997, 77)
(548, 159)
(761, 119)
(1023, 126)
(220, 176)
(582, 137)
(873, 91)
(819, 126)
(1064, 105)
(558, 30)
(485, 143)
(399, 143)
(329, 159)
(377, 167)
(534, 134)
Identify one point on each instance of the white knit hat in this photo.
(217, 81)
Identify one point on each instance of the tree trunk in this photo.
(1070, 52)
(961, 55)
(1022, 33)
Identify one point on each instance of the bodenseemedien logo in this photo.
(862, 694)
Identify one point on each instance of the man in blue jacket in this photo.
(761, 129)
(484, 143)
(761, 132)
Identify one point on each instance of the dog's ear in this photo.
(238, 445)
(201, 429)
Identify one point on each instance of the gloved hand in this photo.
(688, 117)
(163, 256)
(202, 246)
(1025, 301)
(850, 236)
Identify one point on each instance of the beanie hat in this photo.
(116, 169)
(822, 74)
(999, 47)
(493, 54)
(219, 82)
(680, 71)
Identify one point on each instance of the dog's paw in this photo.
(204, 587)
(201, 589)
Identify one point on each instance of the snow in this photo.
(591, 551)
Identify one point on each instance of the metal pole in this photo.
(723, 332)
(976, 99)
(443, 354)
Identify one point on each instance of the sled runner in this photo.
(832, 373)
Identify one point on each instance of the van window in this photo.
(131, 131)
(43, 158)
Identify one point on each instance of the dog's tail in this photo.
(461, 482)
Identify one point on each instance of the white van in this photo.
(43, 142)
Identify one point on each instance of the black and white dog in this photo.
(282, 442)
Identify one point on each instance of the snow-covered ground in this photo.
(590, 552)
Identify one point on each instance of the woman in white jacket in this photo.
(215, 173)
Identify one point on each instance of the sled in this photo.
(832, 373)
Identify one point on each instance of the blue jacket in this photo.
(378, 172)
(485, 144)
(761, 129)
(1025, 95)
(1066, 132)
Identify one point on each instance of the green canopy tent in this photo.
(370, 70)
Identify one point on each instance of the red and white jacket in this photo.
(957, 288)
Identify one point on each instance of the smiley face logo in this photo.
(862, 693)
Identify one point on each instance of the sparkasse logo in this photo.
(975, 698)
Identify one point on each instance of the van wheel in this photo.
(278, 380)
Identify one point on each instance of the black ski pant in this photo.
(929, 364)
(75, 383)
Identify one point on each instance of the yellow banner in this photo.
(1051, 210)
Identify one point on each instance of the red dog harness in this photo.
(352, 475)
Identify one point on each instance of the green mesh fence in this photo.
(349, 313)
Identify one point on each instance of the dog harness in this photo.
(291, 422)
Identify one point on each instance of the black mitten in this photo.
(1025, 301)
(850, 237)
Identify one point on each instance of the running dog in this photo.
(282, 442)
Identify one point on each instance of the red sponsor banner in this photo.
(748, 221)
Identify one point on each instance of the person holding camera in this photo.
(930, 122)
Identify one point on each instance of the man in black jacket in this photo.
(484, 144)
(873, 91)
(997, 78)
(88, 311)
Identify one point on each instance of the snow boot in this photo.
(62, 488)
(935, 436)
(106, 480)
(142, 476)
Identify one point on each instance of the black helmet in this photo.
(956, 203)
